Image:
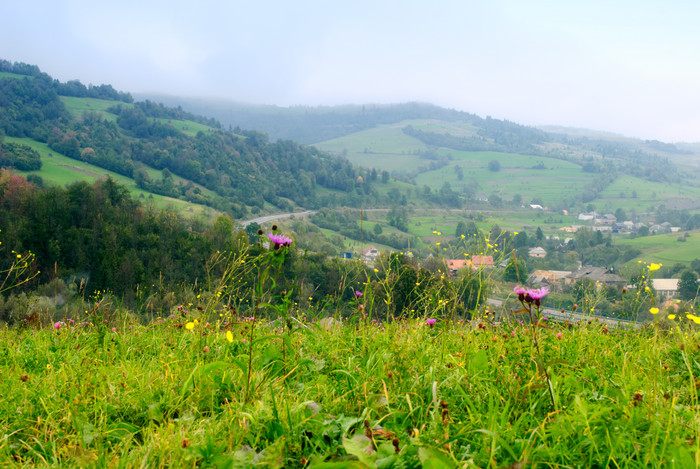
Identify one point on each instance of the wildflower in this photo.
(189, 326)
(229, 336)
(653, 267)
(430, 321)
(279, 240)
(535, 295)
(654, 310)
(559, 335)
(358, 294)
(672, 317)
(57, 325)
(206, 349)
(520, 291)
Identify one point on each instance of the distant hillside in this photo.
(309, 124)
(165, 150)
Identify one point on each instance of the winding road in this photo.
(265, 219)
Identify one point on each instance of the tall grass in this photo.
(216, 385)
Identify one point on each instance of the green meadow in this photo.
(665, 248)
(78, 106)
(206, 384)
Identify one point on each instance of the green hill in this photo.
(160, 150)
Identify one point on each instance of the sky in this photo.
(628, 67)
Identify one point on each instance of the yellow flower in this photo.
(672, 317)
(653, 266)
(654, 310)
(229, 336)
(462, 236)
(189, 326)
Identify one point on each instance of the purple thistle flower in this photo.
(539, 293)
(430, 321)
(279, 240)
(358, 294)
(521, 292)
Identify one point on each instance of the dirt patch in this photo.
(84, 171)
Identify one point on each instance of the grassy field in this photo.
(621, 193)
(60, 170)
(212, 389)
(78, 106)
(665, 248)
(13, 75)
(384, 148)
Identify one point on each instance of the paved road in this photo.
(571, 316)
(267, 218)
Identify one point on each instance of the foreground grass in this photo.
(348, 394)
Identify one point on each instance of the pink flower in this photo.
(559, 335)
(521, 292)
(358, 294)
(57, 325)
(279, 240)
(430, 321)
(535, 295)
(539, 293)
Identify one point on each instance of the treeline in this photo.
(314, 124)
(71, 88)
(90, 238)
(18, 156)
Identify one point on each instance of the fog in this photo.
(628, 67)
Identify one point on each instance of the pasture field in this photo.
(519, 175)
(384, 147)
(665, 248)
(191, 389)
(78, 106)
(13, 75)
(60, 170)
(629, 192)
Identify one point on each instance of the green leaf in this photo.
(434, 459)
(361, 446)
(155, 412)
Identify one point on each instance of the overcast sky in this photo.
(630, 67)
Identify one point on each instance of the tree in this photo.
(494, 165)
(515, 271)
(461, 229)
(539, 235)
(688, 285)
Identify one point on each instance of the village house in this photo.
(454, 265)
(537, 252)
(552, 278)
(478, 262)
(666, 288)
(369, 254)
(596, 274)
